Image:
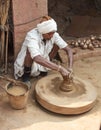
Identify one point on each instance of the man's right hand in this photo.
(64, 72)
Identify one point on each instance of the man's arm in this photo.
(44, 62)
(68, 50)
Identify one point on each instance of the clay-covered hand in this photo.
(70, 70)
(64, 72)
(71, 73)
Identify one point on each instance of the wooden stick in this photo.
(11, 80)
(4, 7)
(6, 50)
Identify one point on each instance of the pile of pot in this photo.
(90, 42)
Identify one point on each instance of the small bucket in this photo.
(18, 95)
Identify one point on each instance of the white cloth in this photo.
(34, 43)
(47, 26)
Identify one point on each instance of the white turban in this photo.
(47, 26)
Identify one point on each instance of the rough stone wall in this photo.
(76, 17)
(26, 14)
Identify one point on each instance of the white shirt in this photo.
(34, 43)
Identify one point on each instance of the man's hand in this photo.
(64, 72)
(71, 72)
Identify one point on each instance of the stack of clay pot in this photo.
(87, 42)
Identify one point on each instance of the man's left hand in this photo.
(71, 72)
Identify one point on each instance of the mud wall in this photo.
(76, 18)
(26, 14)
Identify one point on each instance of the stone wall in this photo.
(76, 18)
(26, 14)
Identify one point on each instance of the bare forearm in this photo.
(42, 61)
(70, 56)
(70, 59)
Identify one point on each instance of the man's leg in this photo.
(27, 67)
(54, 53)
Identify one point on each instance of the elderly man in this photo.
(40, 46)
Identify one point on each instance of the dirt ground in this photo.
(75, 20)
(35, 117)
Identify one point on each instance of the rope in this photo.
(28, 21)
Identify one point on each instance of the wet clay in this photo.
(67, 84)
(16, 90)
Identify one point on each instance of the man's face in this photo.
(48, 36)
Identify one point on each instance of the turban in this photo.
(47, 26)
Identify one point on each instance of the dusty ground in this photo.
(74, 19)
(35, 117)
(72, 22)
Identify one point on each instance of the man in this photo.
(40, 46)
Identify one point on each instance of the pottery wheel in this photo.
(80, 99)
